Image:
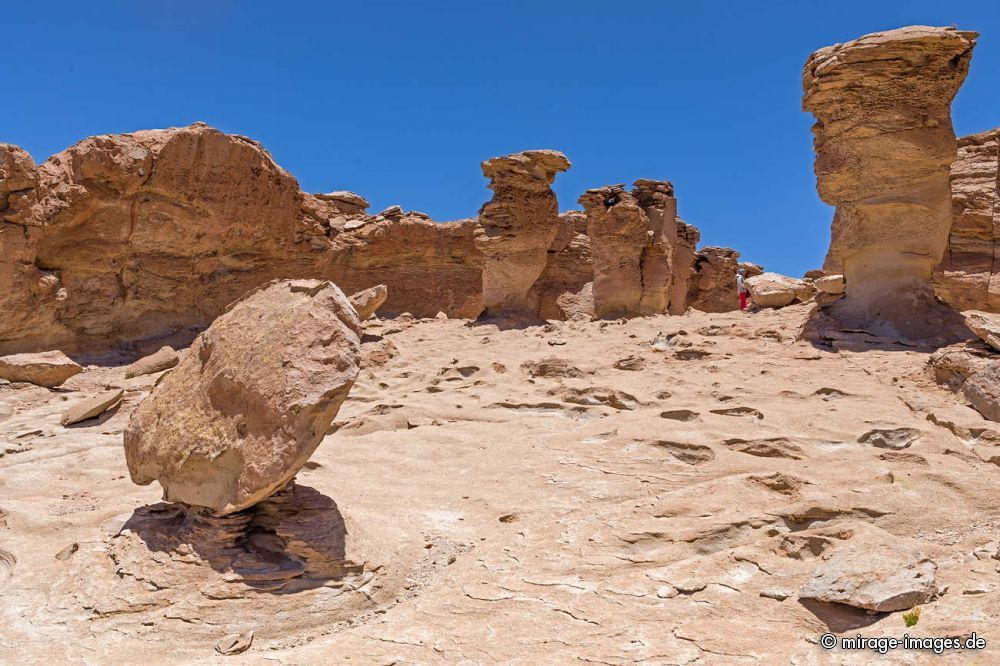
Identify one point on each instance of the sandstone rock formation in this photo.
(830, 284)
(884, 146)
(517, 226)
(773, 290)
(126, 237)
(643, 253)
(968, 277)
(251, 399)
(713, 285)
(48, 369)
(984, 325)
(565, 288)
(368, 301)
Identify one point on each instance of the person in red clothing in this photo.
(741, 287)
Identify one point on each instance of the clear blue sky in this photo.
(400, 101)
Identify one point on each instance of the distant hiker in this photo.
(741, 287)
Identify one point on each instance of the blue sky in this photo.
(400, 101)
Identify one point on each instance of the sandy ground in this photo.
(590, 513)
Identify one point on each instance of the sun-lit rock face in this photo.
(884, 147)
(517, 226)
(969, 274)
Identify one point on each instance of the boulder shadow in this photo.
(294, 540)
(840, 618)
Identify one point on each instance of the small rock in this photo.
(556, 342)
(679, 415)
(666, 592)
(91, 407)
(634, 363)
(890, 438)
(690, 585)
(48, 369)
(774, 593)
(366, 302)
(234, 643)
(164, 359)
(440, 315)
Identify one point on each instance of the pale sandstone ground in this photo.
(491, 520)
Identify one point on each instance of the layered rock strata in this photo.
(884, 147)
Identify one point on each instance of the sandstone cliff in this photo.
(134, 236)
(968, 277)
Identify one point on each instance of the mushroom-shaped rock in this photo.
(250, 400)
(366, 302)
(517, 227)
(884, 147)
(48, 369)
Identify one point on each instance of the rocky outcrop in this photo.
(982, 390)
(713, 285)
(643, 253)
(884, 147)
(251, 400)
(565, 288)
(517, 227)
(48, 369)
(968, 277)
(617, 226)
(123, 238)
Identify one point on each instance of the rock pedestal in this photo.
(884, 147)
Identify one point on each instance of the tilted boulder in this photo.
(517, 227)
(968, 277)
(985, 325)
(773, 290)
(250, 400)
(982, 390)
(162, 359)
(368, 301)
(48, 369)
(884, 147)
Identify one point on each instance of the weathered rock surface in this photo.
(968, 277)
(251, 399)
(517, 227)
(773, 290)
(643, 254)
(91, 407)
(713, 286)
(149, 235)
(881, 575)
(884, 147)
(983, 391)
(49, 369)
(368, 301)
(985, 325)
(565, 288)
(953, 365)
(830, 284)
(162, 359)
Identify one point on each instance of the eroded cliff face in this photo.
(565, 288)
(517, 227)
(884, 146)
(126, 237)
(969, 275)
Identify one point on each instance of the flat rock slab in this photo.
(251, 399)
(48, 369)
(91, 407)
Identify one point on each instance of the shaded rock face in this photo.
(565, 288)
(251, 400)
(128, 237)
(884, 147)
(713, 284)
(643, 253)
(968, 277)
(517, 226)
